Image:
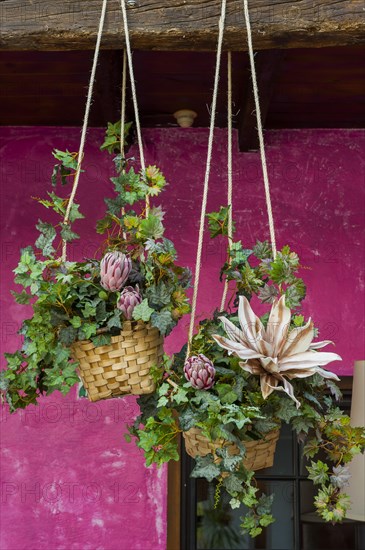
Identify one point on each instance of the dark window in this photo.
(297, 526)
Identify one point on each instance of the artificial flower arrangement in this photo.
(127, 302)
(243, 377)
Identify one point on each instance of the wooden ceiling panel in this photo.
(313, 87)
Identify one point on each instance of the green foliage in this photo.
(151, 228)
(262, 250)
(163, 321)
(46, 238)
(68, 302)
(113, 136)
(205, 467)
(233, 411)
(66, 168)
(159, 438)
(338, 442)
(143, 311)
(218, 222)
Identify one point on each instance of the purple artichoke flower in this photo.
(129, 299)
(200, 372)
(114, 270)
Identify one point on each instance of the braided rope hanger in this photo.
(229, 161)
(123, 103)
(206, 178)
(84, 126)
(260, 129)
(229, 171)
(134, 95)
(87, 112)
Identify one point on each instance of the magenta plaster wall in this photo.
(69, 481)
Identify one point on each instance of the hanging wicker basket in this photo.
(259, 453)
(123, 366)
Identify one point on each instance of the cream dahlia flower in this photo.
(276, 354)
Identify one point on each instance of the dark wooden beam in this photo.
(174, 503)
(180, 24)
(107, 90)
(267, 65)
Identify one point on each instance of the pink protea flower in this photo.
(128, 300)
(115, 268)
(200, 372)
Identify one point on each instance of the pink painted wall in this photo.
(69, 481)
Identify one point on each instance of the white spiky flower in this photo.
(275, 354)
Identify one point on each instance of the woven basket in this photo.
(123, 366)
(259, 454)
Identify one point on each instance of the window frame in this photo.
(181, 513)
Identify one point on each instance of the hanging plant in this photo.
(244, 377)
(107, 318)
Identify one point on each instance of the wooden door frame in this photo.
(174, 503)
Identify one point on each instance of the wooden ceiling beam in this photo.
(267, 65)
(180, 25)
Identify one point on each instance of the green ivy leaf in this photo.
(67, 335)
(46, 238)
(206, 468)
(159, 295)
(68, 159)
(74, 213)
(87, 331)
(266, 520)
(67, 234)
(318, 472)
(234, 503)
(287, 410)
(115, 320)
(239, 254)
(218, 222)
(112, 136)
(295, 293)
(76, 321)
(151, 227)
(233, 484)
(89, 310)
(163, 321)
(104, 224)
(302, 424)
(226, 394)
(21, 297)
(229, 462)
(187, 419)
(180, 395)
(142, 311)
(262, 250)
(101, 340)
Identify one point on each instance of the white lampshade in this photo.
(356, 490)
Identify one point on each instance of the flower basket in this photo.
(123, 366)
(259, 454)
